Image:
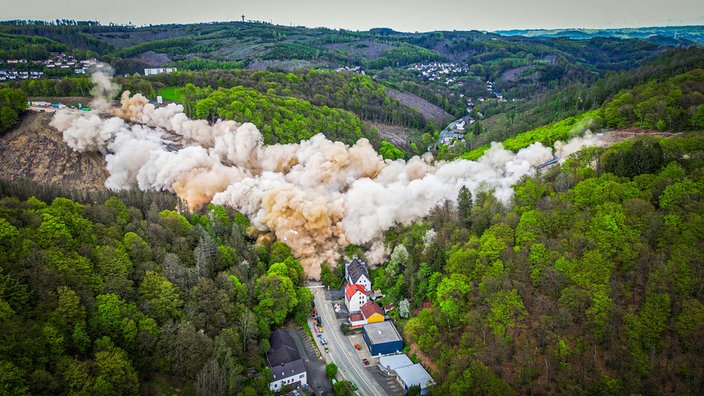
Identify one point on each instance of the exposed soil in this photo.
(36, 150)
(364, 49)
(431, 112)
(619, 135)
(153, 59)
(397, 135)
(519, 73)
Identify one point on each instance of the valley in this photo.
(528, 204)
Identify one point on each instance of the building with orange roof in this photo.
(355, 297)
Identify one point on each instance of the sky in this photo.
(401, 15)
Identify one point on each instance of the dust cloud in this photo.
(317, 196)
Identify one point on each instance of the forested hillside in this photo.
(120, 294)
(589, 283)
(540, 79)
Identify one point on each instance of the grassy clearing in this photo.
(172, 94)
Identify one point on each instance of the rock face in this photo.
(37, 151)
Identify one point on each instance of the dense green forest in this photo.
(589, 283)
(13, 102)
(359, 94)
(122, 295)
(281, 119)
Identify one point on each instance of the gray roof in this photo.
(394, 362)
(382, 332)
(289, 369)
(355, 269)
(283, 349)
(415, 375)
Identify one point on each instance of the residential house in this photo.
(286, 364)
(356, 273)
(355, 297)
(372, 312)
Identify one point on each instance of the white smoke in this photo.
(318, 196)
(564, 150)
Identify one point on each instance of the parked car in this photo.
(365, 361)
(357, 347)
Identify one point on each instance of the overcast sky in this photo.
(402, 15)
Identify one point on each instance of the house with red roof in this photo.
(357, 320)
(355, 297)
(372, 312)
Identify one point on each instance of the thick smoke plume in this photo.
(317, 196)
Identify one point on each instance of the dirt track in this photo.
(37, 151)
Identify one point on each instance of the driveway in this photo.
(317, 377)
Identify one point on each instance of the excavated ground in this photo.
(36, 150)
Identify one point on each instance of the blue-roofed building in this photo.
(382, 338)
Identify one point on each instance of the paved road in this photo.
(342, 352)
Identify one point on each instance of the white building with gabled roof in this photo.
(356, 273)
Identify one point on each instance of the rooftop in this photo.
(394, 362)
(351, 290)
(288, 369)
(370, 308)
(283, 349)
(356, 268)
(382, 332)
(356, 317)
(415, 375)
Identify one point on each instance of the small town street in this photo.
(342, 352)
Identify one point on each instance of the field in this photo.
(171, 94)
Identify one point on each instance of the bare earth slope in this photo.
(41, 155)
(430, 111)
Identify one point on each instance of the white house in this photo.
(356, 273)
(355, 297)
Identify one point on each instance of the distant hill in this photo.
(665, 35)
